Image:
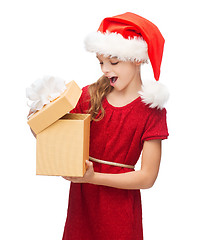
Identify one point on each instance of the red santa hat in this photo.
(128, 37)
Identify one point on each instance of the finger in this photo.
(67, 178)
(89, 163)
(31, 112)
(75, 178)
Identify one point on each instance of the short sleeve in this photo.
(156, 126)
(83, 102)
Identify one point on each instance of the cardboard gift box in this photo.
(62, 138)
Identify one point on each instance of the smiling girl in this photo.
(128, 118)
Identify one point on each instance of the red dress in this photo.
(104, 213)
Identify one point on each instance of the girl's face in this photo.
(120, 74)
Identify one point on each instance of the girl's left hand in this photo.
(89, 175)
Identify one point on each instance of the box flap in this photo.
(56, 109)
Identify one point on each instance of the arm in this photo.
(142, 179)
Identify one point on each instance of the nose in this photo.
(105, 68)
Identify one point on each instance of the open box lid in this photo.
(56, 109)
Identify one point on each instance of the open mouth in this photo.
(113, 79)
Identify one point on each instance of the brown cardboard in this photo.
(56, 109)
(62, 139)
(63, 147)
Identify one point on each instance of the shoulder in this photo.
(154, 123)
(85, 89)
(85, 96)
(83, 102)
(149, 112)
(148, 116)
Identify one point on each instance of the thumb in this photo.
(89, 163)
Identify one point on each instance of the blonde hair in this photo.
(98, 91)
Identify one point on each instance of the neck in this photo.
(131, 91)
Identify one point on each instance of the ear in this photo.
(138, 62)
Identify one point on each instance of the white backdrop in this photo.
(44, 37)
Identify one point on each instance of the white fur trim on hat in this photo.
(115, 45)
(154, 94)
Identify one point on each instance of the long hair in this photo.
(98, 91)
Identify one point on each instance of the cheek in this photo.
(127, 72)
(131, 70)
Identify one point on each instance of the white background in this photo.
(44, 37)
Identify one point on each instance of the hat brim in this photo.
(115, 45)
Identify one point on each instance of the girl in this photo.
(127, 118)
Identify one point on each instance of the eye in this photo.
(100, 63)
(114, 63)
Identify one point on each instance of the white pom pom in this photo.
(43, 91)
(154, 94)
